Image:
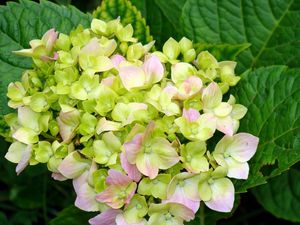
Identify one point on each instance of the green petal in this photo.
(26, 135)
(205, 191)
(15, 151)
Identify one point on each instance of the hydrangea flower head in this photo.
(130, 126)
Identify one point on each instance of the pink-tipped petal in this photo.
(238, 170)
(107, 196)
(24, 159)
(117, 178)
(211, 96)
(191, 86)
(146, 166)
(154, 69)
(120, 220)
(243, 147)
(133, 147)
(182, 211)
(93, 47)
(179, 196)
(108, 217)
(58, 176)
(222, 195)
(49, 38)
(191, 115)
(71, 168)
(108, 81)
(117, 59)
(170, 90)
(86, 198)
(46, 58)
(225, 125)
(131, 169)
(79, 181)
(132, 77)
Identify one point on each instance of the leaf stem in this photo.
(45, 216)
(202, 215)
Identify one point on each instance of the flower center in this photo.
(147, 148)
(181, 183)
(168, 216)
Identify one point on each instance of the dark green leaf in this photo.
(141, 6)
(111, 9)
(3, 219)
(27, 197)
(172, 10)
(72, 215)
(272, 28)
(281, 195)
(22, 22)
(272, 96)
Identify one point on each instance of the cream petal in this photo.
(236, 169)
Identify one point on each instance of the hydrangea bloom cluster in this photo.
(130, 126)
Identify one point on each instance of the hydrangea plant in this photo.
(137, 130)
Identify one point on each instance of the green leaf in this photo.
(22, 22)
(111, 9)
(281, 196)
(223, 51)
(72, 215)
(29, 197)
(3, 219)
(141, 6)
(172, 10)
(272, 28)
(272, 96)
(161, 28)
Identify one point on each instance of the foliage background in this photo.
(256, 33)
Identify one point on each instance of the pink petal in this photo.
(72, 168)
(108, 217)
(58, 176)
(192, 85)
(171, 90)
(117, 59)
(93, 47)
(49, 38)
(154, 69)
(79, 181)
(86, 198)
(243, 146)
(120, 220)
(117, 178)
(130, 169)
(108, 81)
(107, 196)
(24, 159)
(191, 115)
(146, 167)
(133, 147)
(225, 125)
(46, 58)
(180, 197)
